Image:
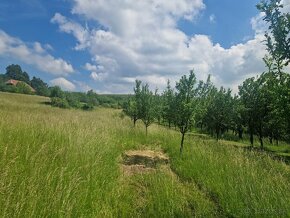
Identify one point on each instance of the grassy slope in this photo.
(62, 163)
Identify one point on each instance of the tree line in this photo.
(260, 108)
(58, 97)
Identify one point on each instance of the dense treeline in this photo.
(59, 98)
(261, 108)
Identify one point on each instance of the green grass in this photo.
(65, 163)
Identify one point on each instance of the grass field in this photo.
(66, 163)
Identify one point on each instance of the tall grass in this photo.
(65, 163)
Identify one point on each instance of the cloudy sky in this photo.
(105, 45)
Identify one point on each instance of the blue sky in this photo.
(106, 45)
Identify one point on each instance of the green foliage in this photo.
(56, 91)
(185, 104)
(278, 35)
(147, 106)
(14, 71)
(168, 106)
(130, 109)
(219, 111)
(87, 107)
(40, 87)
(59, 102)
(23, 88)
(72, 100)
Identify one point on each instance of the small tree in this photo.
(185, 104)
(168, 104)
(219, 111)
(130, 109)
(147, 110)
(56, 91)
(205, 92)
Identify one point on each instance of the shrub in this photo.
(87, 107)
(23, 88)
(59, 102)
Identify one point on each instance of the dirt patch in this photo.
(142, 161)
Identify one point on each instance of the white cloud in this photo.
(212, 18)
(90, 67)
(141, 39)
(258, 24)
(98, 76)
(63, 83)
(76, 29)
(82, 86)
(35, 55)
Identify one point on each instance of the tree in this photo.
(138, 94)
(147, 107)
(237, 118)
(130, 109)
(168, 106)
(247, 93)
(56, 91)
(158, 106)
(278, 34)
(185, 104)
(14, 71)
(40, 87)
(220, 111)
(91, 98)
(204, 94)
(254, 99)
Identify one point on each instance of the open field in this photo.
(66, 163)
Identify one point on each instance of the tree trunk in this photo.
(217, 133)
(271, 140)
(146, 130)
(181, 144)
(261, 136)
(134, 122)
(251, 138)
(240, 134)
(261, 141)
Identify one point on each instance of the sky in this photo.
(105, 45)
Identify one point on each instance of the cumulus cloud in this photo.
(98, 76)
(90, 67)
(141, 40)
(74, 28)
(82, 86)
(35, 55)
(63, 83)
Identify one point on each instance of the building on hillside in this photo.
(13, 82)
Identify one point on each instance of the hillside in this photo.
(56, 162)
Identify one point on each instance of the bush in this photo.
(23, 88)
(87, 107)
(59, 102)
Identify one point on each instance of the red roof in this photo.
(14, 82)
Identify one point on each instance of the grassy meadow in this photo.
(66, 163)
